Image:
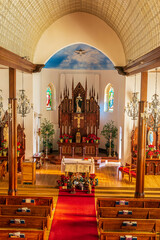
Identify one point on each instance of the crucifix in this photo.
(78, 120)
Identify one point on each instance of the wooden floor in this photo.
(109, 184)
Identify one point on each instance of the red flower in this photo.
(151, 146)
(150, 153)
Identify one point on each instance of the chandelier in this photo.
(3, 116)
(132, 108)
(23, 107)
(151, 112)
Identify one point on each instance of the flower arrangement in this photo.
(77, 181)
(18, 146)
(92, 138)
(5, 149)
(157, 152)
(4, 142)
(151, 147)
(149, 153)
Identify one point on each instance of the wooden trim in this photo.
(14, 61)
(144, 63)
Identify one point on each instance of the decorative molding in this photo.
(120, 70)
(146, 62)
(12, 60)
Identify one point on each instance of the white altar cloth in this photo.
(77, 165)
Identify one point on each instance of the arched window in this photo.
(108, 98)
(49, 98)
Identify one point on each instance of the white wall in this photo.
(118, 83)
(95, 78)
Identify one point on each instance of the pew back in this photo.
(12, 210)
(117, 224)
(117, 235)
(27, 222)
(29, 235)
(128, 202)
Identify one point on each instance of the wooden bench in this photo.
(29, 234)
(128, 202)
(136, 236)
(26, 222)
(18, 200)
(12, 210)
(120, 212)
(138, 225)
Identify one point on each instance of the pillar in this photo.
(12, 123)
(141, 154)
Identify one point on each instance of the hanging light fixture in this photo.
(3, 116)
(132, 108)
(152, 110)
(23, 107)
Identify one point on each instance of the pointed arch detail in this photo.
(50, 97)
(109, 98)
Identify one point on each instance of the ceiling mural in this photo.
(80, 56)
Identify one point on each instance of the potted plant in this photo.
(59, 184)
(61, 139)
(47, 132)
(109, 131)
(18, 148)
(0, 151)
(5, 150)
(70, 138)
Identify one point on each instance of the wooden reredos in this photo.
(86, 121)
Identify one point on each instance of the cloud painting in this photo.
(90, 59)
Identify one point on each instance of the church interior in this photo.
(80, 119)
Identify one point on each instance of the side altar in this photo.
(79, 122)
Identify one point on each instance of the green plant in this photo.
(109, 131)
(47, 132)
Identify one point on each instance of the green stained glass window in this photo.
(49, 99)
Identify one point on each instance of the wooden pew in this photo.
(128, 202)
(116, 235)
(120, 212)
(29, 234)
(29, 222)
(12, 210)
(140, 225)
(18, 200)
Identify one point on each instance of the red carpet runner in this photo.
(75, 218)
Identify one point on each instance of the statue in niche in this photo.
(150, 137)
(5, 134)
(78, 103)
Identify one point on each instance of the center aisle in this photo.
(75, 217)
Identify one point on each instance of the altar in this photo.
(78, 165)
(79, 122)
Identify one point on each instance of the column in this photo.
(141, 155)
(12, 123)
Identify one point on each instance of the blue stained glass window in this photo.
(109, 98)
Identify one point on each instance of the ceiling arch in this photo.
(79, 28)
(137, 23)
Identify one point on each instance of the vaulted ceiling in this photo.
(136, 22)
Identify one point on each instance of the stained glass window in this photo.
(108, 98)
(49, 98)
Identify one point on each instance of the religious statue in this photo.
(150, 137)
(78, 103)
(5, 134)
